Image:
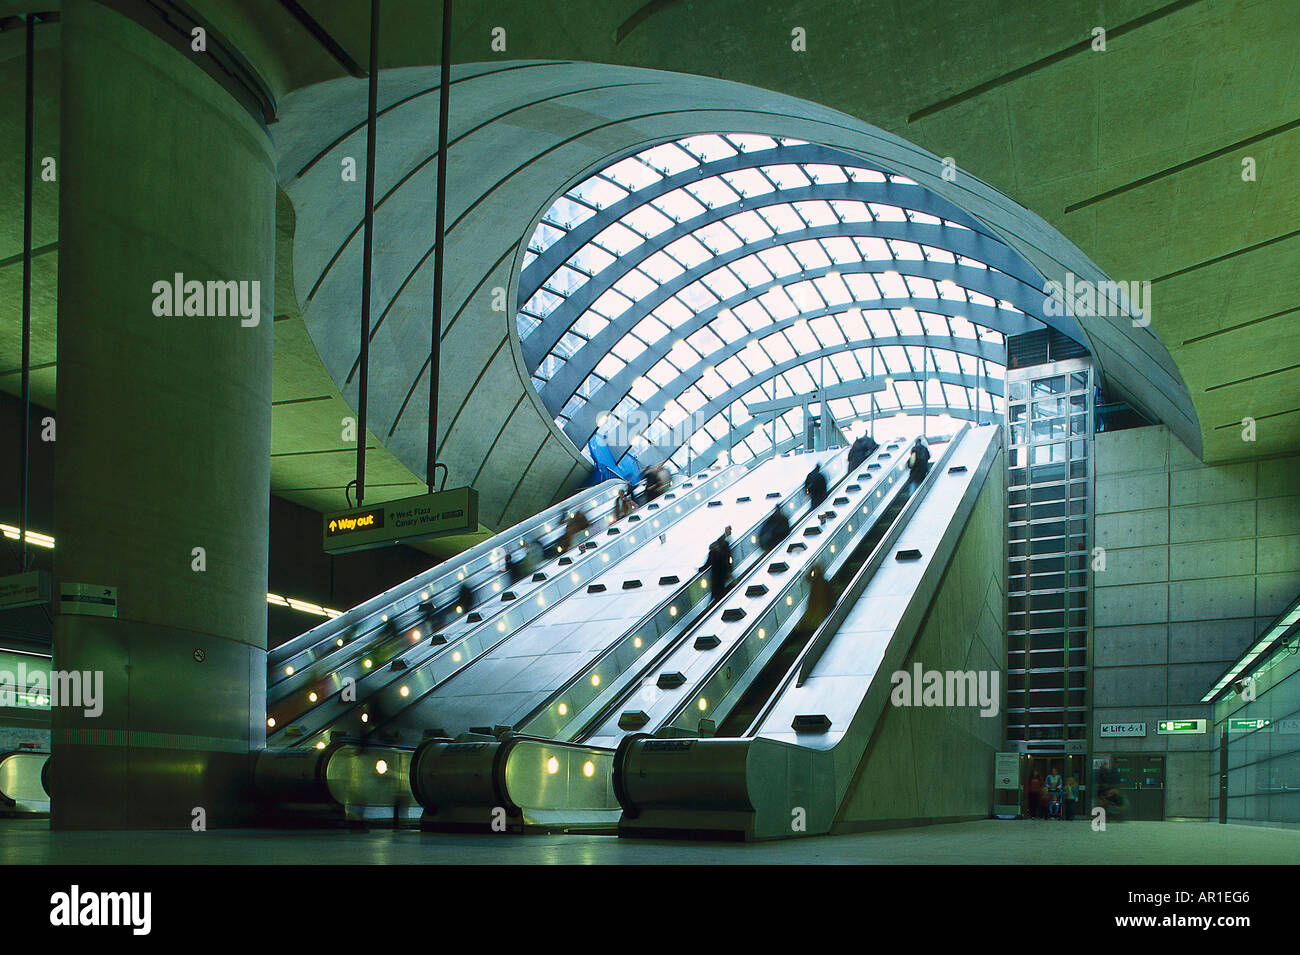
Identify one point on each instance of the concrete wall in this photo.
(933, 764)
(1199, 560)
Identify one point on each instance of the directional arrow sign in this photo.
(410, 519)
(95, 600)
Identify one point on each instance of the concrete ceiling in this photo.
(1134, 154)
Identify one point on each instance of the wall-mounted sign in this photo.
(1006, 770)
(95, 600)
(394, 522)
(1239, 725)
(25, 590)
(1289, 727)
(1113, 730)
(1179, 727)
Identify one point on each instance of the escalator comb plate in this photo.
(706, 642)
(811, 723)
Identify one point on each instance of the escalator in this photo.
(789, 763)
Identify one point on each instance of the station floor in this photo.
(30, 842)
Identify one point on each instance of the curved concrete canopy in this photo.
(521, 134)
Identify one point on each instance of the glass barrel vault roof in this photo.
(680, 285)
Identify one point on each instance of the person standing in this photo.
(1034, 792)
(774, 530)
(814, 485)
(918, 463)
(718, 564)
(860, 450)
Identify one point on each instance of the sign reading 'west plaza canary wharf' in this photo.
(394, 522)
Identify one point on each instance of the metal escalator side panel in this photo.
(22, 783)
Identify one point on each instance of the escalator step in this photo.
(706, 642)
(755, 590)
(670, 579)
(670, 681)
(596, 588)
(732, 614)
(811, 723)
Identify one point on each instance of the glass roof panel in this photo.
(769, 290)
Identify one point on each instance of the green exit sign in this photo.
(1174, 727)
(1246, 726)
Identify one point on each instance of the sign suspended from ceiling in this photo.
(411, 519)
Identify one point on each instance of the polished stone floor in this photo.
(30, 842)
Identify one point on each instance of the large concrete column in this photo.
(163, 431)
